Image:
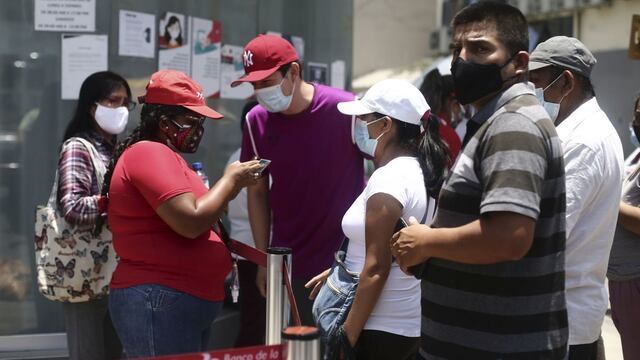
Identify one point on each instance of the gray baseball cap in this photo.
(564, 52)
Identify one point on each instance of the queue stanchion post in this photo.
(277, 306)
(303, 343)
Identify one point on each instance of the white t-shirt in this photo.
(238, 212)
(398, 308)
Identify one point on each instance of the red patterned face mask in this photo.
(187, 138)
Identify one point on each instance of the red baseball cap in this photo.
(263, 56)
(171, 87)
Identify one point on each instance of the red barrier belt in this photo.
(260, 258)
(250, 253)
(292, 299)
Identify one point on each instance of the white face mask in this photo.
(552, 108)
(273, 99)
(364, 142)
(112, 120)
(174, 33)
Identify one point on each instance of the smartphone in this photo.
(400, 225)
(263, 164)
(419, 270)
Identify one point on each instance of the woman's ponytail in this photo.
(433, 155)
(428, 147)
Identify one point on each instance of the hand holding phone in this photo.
(417, 270)
(263, 165)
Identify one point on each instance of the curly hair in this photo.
(150, 116)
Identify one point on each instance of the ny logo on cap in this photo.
(247, 58)
(200, 95)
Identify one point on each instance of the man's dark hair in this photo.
(511, 25)
(583, 82)
(585, 85)
(285, 68)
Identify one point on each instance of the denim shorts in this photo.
(334, 300)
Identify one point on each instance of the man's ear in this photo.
(521, 62)
(569, 82)
(295, 70)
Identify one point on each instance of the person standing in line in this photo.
(168, 286)
(493, 281)
(560, 68)
(316, 169)
(438, 91)
(252, 303)
(411, 164)
(101, 114)
(624, 261)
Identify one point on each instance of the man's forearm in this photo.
(629, 217)
(492, 239)
(259, 213)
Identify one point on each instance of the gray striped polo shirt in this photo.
(515, 309)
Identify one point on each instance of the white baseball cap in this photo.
(398, 99)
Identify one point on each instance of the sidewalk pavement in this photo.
(611, 338)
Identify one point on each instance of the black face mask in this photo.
(473, 81)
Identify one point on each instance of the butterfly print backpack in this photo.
(72, 264)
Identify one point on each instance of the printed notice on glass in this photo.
(65, 15)
(231, 69)
(338, 77)
(296, 41)
(82, 55)
(205, 60)
(173, 41)
(317, 73)
(137, 34)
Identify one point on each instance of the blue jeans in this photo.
(333, 302)
(154, 320)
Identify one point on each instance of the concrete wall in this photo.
(605, 30)
(391, 33)
(607, 27)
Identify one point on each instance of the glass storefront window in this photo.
(33, 118)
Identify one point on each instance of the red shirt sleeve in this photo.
(449, 135)
(156, 171)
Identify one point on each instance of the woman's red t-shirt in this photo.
(146, 175)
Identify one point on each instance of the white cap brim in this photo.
(355, 107)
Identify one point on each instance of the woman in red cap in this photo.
(169, 283)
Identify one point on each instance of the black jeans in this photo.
(374, 344)
(584, 351)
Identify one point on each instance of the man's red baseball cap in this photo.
(171, 87)
(263, 56)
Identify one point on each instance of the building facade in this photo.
(33, 118)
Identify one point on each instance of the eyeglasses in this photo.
(114, 102)
(197, 119)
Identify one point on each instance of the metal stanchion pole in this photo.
(276, 304)
(303, 343)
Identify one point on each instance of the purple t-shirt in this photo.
(317, 173)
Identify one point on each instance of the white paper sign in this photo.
(298, 44)
(65, 15)
(82, 55)
(338, 74)
(137, 34)
(205, 60)
(230, 70)
(173, 41)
